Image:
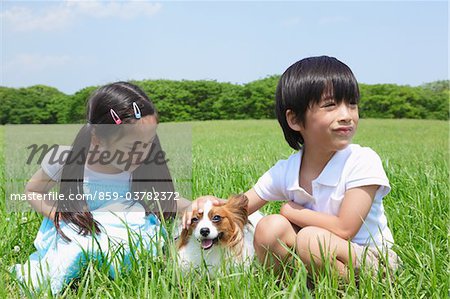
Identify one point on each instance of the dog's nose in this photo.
(204, 231)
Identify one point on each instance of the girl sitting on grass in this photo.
(333, 188)
(102, 177)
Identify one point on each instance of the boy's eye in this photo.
(328, 104)
(216, 218)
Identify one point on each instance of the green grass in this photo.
(229, 157)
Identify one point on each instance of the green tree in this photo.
(31, 105)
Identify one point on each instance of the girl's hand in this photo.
(197, 205)
(39, 185)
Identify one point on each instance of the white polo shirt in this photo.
(354, 166)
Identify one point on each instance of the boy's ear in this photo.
(292, 121)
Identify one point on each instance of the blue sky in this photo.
(73, 44)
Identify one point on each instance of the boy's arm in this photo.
(354, 209)
(255, 202)
(40, 184)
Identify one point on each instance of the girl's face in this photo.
(130, 149)
(329, 126)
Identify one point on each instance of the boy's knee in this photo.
(311, 238)
(270, 228)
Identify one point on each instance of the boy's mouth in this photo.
(344, 130)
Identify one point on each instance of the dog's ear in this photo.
(182, 238)
(238, 205)
(239, 201)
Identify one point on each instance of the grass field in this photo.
(229, 157)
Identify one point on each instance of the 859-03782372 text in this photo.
(156, 196)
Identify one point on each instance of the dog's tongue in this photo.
(207, 243)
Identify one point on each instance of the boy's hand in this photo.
(197, 205)
(290, 205)
(290, 210)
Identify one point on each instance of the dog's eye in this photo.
(216, 218)
(194, 220)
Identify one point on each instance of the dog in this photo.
(221, 234)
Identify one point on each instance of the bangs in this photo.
(341, 88)
(345, 88)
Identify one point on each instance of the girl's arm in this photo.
(40, 184)
(354, 209)
(183, 204)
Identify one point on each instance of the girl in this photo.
(114, 159)
(333, 188)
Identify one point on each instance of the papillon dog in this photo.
(220, 234)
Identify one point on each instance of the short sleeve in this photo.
(270, 185)
(367, 169)
(53, 161)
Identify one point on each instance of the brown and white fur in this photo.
(219, 234)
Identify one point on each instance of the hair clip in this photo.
(115, 117)
(137, 111)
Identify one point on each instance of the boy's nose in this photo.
(344, 113)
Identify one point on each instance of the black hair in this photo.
(148, 177)
(304, 84)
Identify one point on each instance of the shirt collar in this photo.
(329, 176)
(293, 172)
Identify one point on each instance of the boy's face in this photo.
(330, 126)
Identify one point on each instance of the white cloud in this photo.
(60, 15)
(21, 18)
(115, 9)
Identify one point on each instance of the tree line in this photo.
(207, 100)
